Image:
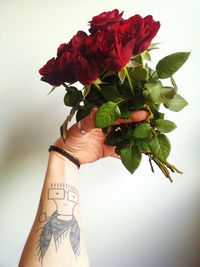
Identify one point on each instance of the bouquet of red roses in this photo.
(111, 62)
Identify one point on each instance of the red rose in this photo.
(65, 66)
(129, 28)
(61, 49)
(105, 20)
(146, 33)
(59, 70)
(85, 68)
(71, 64)
(110, 45)
(143, 30)
(50, 73)
(86, 71)
(114, 54)
(108, 50)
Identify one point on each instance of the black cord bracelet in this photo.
(65, 154)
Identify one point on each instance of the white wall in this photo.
(140, 220)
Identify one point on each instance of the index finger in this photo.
(87, 123)
(137, 115)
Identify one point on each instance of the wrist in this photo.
(62, 152)
(61, 166)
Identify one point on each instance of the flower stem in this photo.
(162, 167)
(151, 116)
(129, 81)
(173, 167)
(142, 62)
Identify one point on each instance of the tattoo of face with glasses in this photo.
(61, 223)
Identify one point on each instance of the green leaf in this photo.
(110, 93)
(115, 138)
(158, 93)
(63, 127)
(86, 90)
(142, 131)
(146, 55)
(125, 114)
(131, 157)
(105, 130)
(122, 75)
(166, 94)
(73, 96)
(107, 74)
(139, 74)
(165, 126)
(174, 84)
(160, 147)
(161, 115)
(106, 114)
(153, 76)
(143, 144)
(132, 63)
(177, 103)
(83, 112)
(94, 94)
(153, 46)
(53, 88)
(167, 66)
(154, 90)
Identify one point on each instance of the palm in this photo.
(86, 147)
(89, 147)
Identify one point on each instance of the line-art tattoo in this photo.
(65, 198)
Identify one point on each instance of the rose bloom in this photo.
(146, 33)
(105, 20)
(114, 46)
(142, 30)
(110, 46)
(71, 64)
(50, 73)
(107, 49)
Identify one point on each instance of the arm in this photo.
(56, 238)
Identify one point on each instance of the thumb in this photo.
(87, 123)
(115, 155)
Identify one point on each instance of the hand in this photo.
(89, 146)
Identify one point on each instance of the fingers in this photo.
(87, 123)
(109, 151)
(137, 115)
(115, 156)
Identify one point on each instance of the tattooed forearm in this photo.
(61, 224)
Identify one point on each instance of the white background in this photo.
(141, 220)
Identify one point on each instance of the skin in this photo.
(61, 173)
(89, 147)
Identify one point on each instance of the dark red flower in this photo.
(105, 20)
(61, 49)
(143, 30)
(146, 33)
(110, 45)
(85, 68)
(129, 28)
(50, 73)
(71, 64)
(114, 55)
